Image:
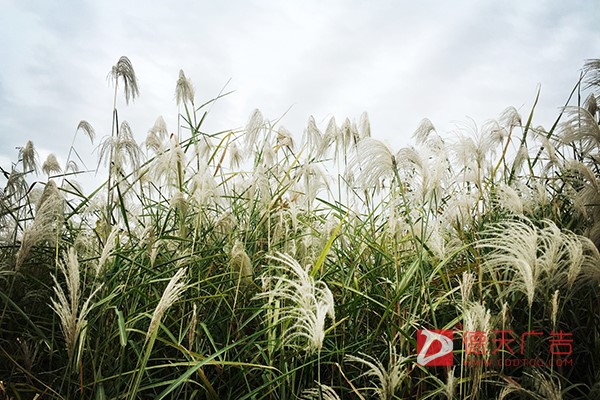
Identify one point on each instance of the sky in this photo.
(400, 61)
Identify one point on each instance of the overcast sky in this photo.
(400, 61)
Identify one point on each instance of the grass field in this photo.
(250, 265)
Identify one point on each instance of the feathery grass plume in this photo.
(591, 69)
(423, 131)
(554, 308)
(72, 167)
(51, 165)
(87, 128)
(313, 138)
(236, 157)
(109, 246)
(582, 128)
(466, 286)
(172, 293)
(510, 118)
(67, 306)
(364, 126)
(308, 303)
(184, 90)
(590, 269)
(389, 378)
(450, 384)
(372, 162)
(509, 199)
(477, 319)
(544, 386)
(591, 104)
(157, 135)
(48, 219)
(285, 138)
(514, 247)
(124, 71)
(169, 166)
(191, 334)
(28, 156)
(124, 149)
(16, 185)
(240, 263)
(253, 127)
(323, 392)
(203, 187)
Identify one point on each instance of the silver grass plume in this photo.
(580, 126)
(184, 90)
(67, 305)
(29, 157)
(313, 137)
(423, 131)
(554, 308)
(157, 135)
(88, 129)
(253, 127)
(450, 384)
(389, 378)
(591, 69)
(51, 165)
(509, 199)
(533, 254)
(240, 263)
(16, 185)
(109, 245)
(123, 70)
(466, 286)
(48, 219)
(236, 157)
(124, 149)
(322, 392)
(169, 166)
(285, 138)
(364, 126)
(172, 293)
(308, 303)
(591, 104)
(514, 247)
(477, 319)
(371, 162)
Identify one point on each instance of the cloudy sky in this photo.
(400, 61)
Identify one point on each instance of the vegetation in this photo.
(243, 265)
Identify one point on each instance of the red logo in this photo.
(434, 347)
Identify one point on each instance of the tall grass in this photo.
(246, 264)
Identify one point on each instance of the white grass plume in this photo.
(514, 246)
(124, 150)
(308, 303)
(184, 90)
(48, 219)
(389, 378)
(240, 263)
(172, 293)
(123, 70)
(88, 129)
(109, 245)
(29, 156)
(51, 165)
(67, 305)
(372, 162)
(322, 392)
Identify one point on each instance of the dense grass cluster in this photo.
(249, 265)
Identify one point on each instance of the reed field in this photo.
(250, 264)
